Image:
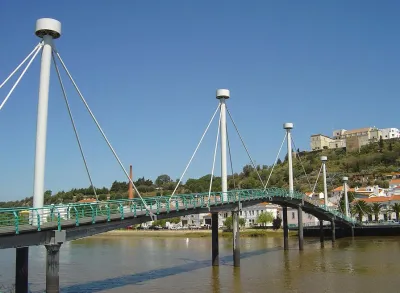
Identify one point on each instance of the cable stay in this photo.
(22, 63)
(244, 145)
(316, 181)
(195, 151)
(73, 124)
(301, 163)
(35, 51)
(213, 165)
(152, 216)
(276, 160)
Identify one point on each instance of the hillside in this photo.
(368, 166)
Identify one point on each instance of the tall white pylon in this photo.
(346, 199)
(222, 95)
(47, 29)
(289, 127)
(324, 159)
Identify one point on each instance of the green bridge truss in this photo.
(19, 219)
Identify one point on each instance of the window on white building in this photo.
(293, 216)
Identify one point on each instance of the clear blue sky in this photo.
(149, 70)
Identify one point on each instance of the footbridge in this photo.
(80, 220)
(52, 225)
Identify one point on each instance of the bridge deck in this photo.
(81, 220)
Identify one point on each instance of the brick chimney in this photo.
(130, 190)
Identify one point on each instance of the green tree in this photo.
(360, 208)
(175, 220)
(381, 143)
(102, 197)
(163, 179)
(376, 208)
(228, 223)
(160, 223)
(242, 222)
(276, 223)
(395, 208)
(265, 218)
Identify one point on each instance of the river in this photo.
(146, 264)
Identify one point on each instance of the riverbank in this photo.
(192, 233)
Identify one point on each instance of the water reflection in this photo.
(215, 279)
(133, 264)
(287, 276)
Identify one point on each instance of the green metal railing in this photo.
(13, 220)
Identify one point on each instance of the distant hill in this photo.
(370, 166)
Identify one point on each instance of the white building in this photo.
(394, 183)
(308, 220)
(388, 133)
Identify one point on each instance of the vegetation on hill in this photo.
(365, 167)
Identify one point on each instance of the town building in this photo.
(352, 140)
(394, 183)
(320, 141)
(250, 214)
(386, 202)
(308, 220)
(389, 133)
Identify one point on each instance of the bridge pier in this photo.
(52, 268)
(300, 225)
(236, 239)
(21, 269)
(285, 229)
(333, 231)
(321, 233)
(214, 239)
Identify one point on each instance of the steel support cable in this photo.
(73, 124)
(103, 134)
(316, 181)
(230, 157)
(213, 165)
(38, 48)
(22, 63)
(194, 153)
(276, 160)
(244, 145)
(301, 163)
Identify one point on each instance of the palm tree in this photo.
(396, 209)
(376, 208)
(360, 208)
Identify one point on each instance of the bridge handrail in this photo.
(12, 218)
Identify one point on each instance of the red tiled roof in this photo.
(394, 181)
(339, 188)
(380, 199)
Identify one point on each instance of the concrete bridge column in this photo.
(236, 239)
(321, 232)
(333, 230)
(214, 239)
(21, 270)
(52, 268)
(285, 229)
(300, 225)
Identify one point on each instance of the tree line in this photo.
(373, 160)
